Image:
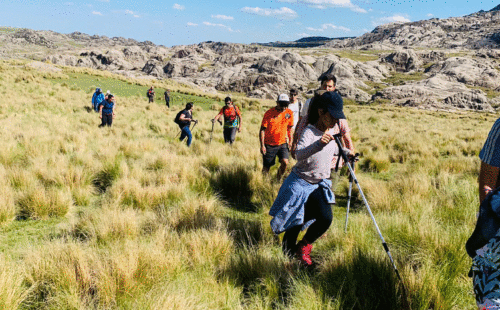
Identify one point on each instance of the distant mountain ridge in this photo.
(304, 42)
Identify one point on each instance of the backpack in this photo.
(177, 118)
(148, 94)
(488, 223)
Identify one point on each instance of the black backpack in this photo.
(488, 223)
(177, 118)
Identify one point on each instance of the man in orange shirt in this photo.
(276, 127)
(232, 120)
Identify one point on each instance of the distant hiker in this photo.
(167, 98)
(107, 94)
(232, 120)
(106, 111)
(295, 105)
(184, 119)
(151, 94)
(484, 244)
(275, 128)
(328, 83)
(97, 98)
(305, 197)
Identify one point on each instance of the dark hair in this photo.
(227, 99)
(189, 105)
(314, 106)
(293, 92)
(328, 77)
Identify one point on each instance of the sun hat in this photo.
(333, 102)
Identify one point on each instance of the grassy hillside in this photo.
(129, 218)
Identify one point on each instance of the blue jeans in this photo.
(186, 132)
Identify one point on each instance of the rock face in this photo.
(475, 31)
(463, 73)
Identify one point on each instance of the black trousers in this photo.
(316, 208)
(107, 119)
(230, 134)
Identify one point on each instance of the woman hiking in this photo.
(305, 197)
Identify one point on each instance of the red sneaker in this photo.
(303, 253)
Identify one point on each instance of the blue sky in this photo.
(181, 22)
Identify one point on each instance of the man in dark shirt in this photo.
(167, 98)
(185, 117)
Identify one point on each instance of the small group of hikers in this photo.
(151, 96)
(105, 105)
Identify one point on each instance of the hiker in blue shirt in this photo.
(97, 98)
(106, 111)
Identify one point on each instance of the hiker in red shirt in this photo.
(276, 127)
(232, 120)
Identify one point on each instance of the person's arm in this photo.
(238, 112)
(488, 179)
(100, 111)
(183, 118)
(217, 117)
(296, 135)
(262, 135)
(290, 137)
(307, 145)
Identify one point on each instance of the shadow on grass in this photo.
(259, 274)
(88, 109)
(245, 233)
(232, 184)
(363, 282)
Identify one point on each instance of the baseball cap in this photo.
(227, 99)
(283, 98)
(333, 102)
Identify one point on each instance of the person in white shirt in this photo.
(296, 106)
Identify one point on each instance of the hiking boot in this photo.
(303, 253)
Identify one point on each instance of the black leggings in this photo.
(317, 208)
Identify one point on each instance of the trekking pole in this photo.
(352, 161)
(195, 123)
(212, 132)
(384, 244)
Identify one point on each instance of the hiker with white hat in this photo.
(276, 134)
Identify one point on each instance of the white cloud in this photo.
(223, 17)
(303, 35)
(97, 13)
(219, 25)
(398, 18)
(134, 14)
(192, 24)
(178, 7)
(326, 26)
(283, 12)
(324, 4)
(430, 15)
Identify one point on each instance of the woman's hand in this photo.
(326, 138)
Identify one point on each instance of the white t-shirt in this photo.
(295, 109)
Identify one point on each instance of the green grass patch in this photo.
(398, 78)
(357, 56)
(88, 83)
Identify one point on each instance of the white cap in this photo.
(108, 92)
(283, 97)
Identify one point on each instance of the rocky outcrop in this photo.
(404, 60)
(436, 92)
